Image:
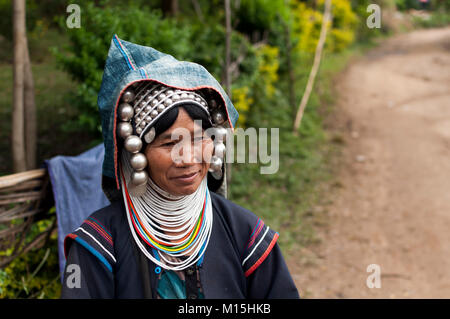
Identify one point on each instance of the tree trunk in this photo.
(170, 7)
(312, 75)
(227, 69)
(17, 134)
(30, 112)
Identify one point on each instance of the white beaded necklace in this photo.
(161, 214)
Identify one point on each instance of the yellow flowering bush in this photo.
(308, 22)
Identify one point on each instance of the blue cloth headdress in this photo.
(128, 63)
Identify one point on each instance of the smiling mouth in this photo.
(187, 178)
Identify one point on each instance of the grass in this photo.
(438, 18)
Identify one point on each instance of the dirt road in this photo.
(393, 206)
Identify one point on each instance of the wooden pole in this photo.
(228, 75)
(312, 76)
(17, 132)
(30, 112)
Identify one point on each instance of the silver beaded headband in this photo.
(143, 103)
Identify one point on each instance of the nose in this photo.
(189, 153)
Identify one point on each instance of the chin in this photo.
(186, 189)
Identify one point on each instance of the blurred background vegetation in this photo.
(272, 48)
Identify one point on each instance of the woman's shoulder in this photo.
(252, 238)
(98, 233)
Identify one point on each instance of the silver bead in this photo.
(138, 130)
(148, 98)
(142, 124)
(124, 129)
(168, 102)
(147, 109)
(219, 150)
(170, 92)
(160, 108)
(161, 97)
(175, 97)
(154, 114)
(148, 118)
(218, 117)
(197, 99)
(184, 96)
(191, 96)
(154, 102)
(216, 164)
(128, 96)
(139, 177)
(133, 144)
(138, 161)
(203, 103)
(125, 111)
(143, 104)
(221, 133)
(138, 109)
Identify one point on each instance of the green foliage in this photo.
(34, 274)
(403, 5)
(257, 15)
(89, 46)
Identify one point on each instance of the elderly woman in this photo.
(169, 231)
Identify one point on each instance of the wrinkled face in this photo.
(178, 162)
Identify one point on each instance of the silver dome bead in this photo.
(218, 117)
(175, 97)
(168, 102)
(125, 111)
(154, 114)
(219, 150)
(184, 96)
(169, 92)
(138, 109)
(160, 108)
(154, 102)
(143, 104)
(216, 164)
(148, 118)
(138, 130)
(142, 124)
(133, 144)
(161, 97)
(139, 177)
(148, 98)
(128, 96)
(124, 129)
(138, 161)
(221, 133)
(191, 96)
(148, 108)
(203, 103)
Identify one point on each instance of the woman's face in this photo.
(179, 165)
